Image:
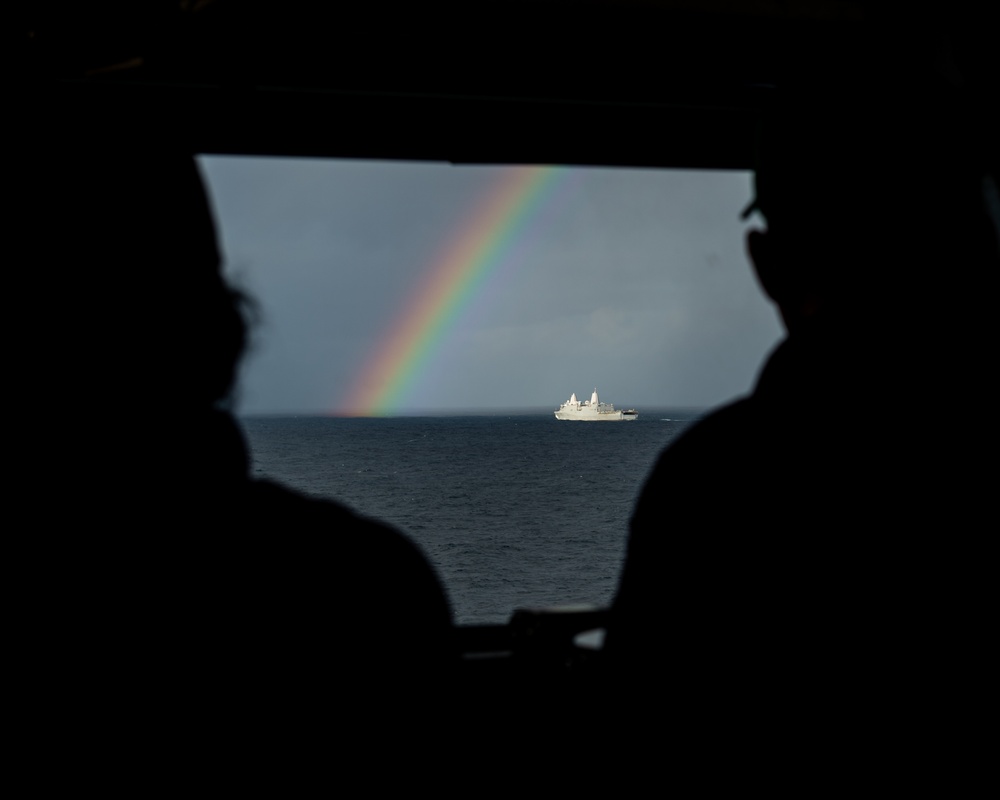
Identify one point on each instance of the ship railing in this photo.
(554, 640)
(542, 671)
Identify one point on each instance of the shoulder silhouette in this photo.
(804, 565)
(172, 605)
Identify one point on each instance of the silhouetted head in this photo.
(875, 193)
(127, 292)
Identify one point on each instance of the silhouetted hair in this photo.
(880, 189)
(122, 253)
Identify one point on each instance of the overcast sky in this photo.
(631, 281)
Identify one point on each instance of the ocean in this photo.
(514, 510)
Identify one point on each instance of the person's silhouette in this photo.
(803, 569)
(173, 608)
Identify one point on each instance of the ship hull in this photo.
(579, 416)
(616, 417)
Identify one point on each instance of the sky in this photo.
(388, 288)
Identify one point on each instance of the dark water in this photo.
(514, 510)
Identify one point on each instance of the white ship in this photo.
(593, 410)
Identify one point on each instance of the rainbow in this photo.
(454, 278)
